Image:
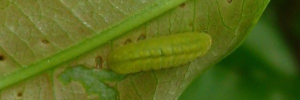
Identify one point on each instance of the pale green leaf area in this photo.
(38, 35)
(92, 80)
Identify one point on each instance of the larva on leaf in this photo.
(160, 52)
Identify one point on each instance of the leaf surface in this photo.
(83, 32)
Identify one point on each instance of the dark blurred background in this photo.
(265, 67)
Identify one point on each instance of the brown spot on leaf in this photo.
(191, 24)
(99, 62)
(141, 37)
(127, 41)
(20, 94)
(2, 57)
(45, 41)
(182, 5)
(229, 1)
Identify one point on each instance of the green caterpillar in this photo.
(160, 52)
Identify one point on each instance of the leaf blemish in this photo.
(20, 94)
(141, 37)
(127, 41)
(182, 5)
(44, 41)
(229, 1)
(191, 24)
(2, 57)
(99, 62)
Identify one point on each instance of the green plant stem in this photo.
(90, 43)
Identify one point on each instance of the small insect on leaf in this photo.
(161, 52)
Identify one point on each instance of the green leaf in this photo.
(262, 68)
(36, 36)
